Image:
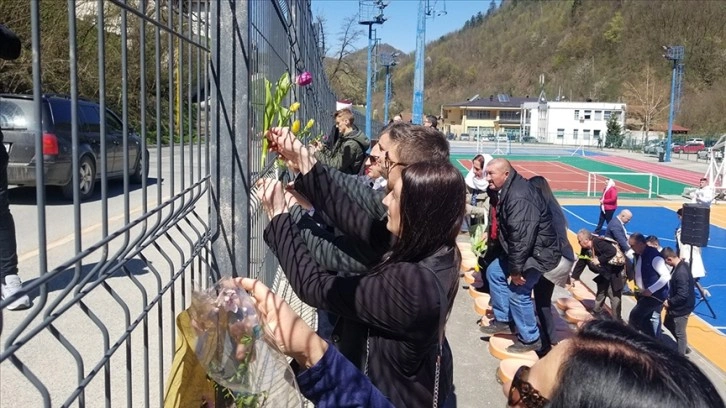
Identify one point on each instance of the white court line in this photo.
(577, 169)
(659, 238)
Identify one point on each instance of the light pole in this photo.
(370, 12)
(388, 60)
(674, 54)
(424, 11)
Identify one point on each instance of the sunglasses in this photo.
(522, 391)
(389, 164)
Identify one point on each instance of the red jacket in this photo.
(610, 199)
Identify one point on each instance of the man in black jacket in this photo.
(596, 254)
(528, 247)
(11, 284)
(681, 298)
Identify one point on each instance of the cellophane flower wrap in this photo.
(233, 348)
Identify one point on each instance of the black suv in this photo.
(19, 129)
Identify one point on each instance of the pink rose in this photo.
(304, 79)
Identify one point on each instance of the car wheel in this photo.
(87, 180)
(137, 176)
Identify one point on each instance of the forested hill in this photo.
(587, 49)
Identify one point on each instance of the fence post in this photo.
(229, 216)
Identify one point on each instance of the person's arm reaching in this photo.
(327, 378)
(334, 253)
(352, 297)
(664, 274)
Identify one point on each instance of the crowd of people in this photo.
(380, 262)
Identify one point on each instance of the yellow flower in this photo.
(295, 126)
(294, 107)
(310, 124)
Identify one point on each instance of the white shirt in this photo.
(703, 195)
(664, 275)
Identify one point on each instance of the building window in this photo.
(596, 134)
(598, 115)
(542, 131)
(586, 134)
(510, 116)
(577, 114)
(483, 114)
(588, 115)
(574, 134)
(607, 115)
(542, 114)
(560, 133)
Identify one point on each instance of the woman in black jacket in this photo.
(391, 320)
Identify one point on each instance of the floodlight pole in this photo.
(674, 54)
(369, 21)
(369, 90)
(418, 73)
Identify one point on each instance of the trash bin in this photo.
(661, 157)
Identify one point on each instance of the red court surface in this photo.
(562, 177)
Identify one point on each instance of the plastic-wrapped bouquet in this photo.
(231, 347)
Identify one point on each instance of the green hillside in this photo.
(587, 49)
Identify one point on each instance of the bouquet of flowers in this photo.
(231, 346)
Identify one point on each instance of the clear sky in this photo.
(399, 30)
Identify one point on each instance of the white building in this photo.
(573, 123)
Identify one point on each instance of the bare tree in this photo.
(647, 98)
(344, 71)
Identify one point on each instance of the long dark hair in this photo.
(433, 204)
(544, 188)
(610, 365)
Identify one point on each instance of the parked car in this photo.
(502, 138)
(695, 140)
(464, 136)
(706, 154)
(691, 147)
(530, 139)
(651, 146)
(20, 127)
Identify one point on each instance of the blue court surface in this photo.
(662, 222)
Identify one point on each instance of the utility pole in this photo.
(675, 55)
(425, 10)
(388, 60)
(370, 13)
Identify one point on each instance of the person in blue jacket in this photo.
(326, 377)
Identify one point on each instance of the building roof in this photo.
(493, 101)
(664, 128)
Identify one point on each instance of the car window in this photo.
(91, 122)
(113, 124)
(16, 114)
(61, 111)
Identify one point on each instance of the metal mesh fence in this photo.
(156, 199)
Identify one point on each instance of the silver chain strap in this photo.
(436, 379)
(368, 351)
